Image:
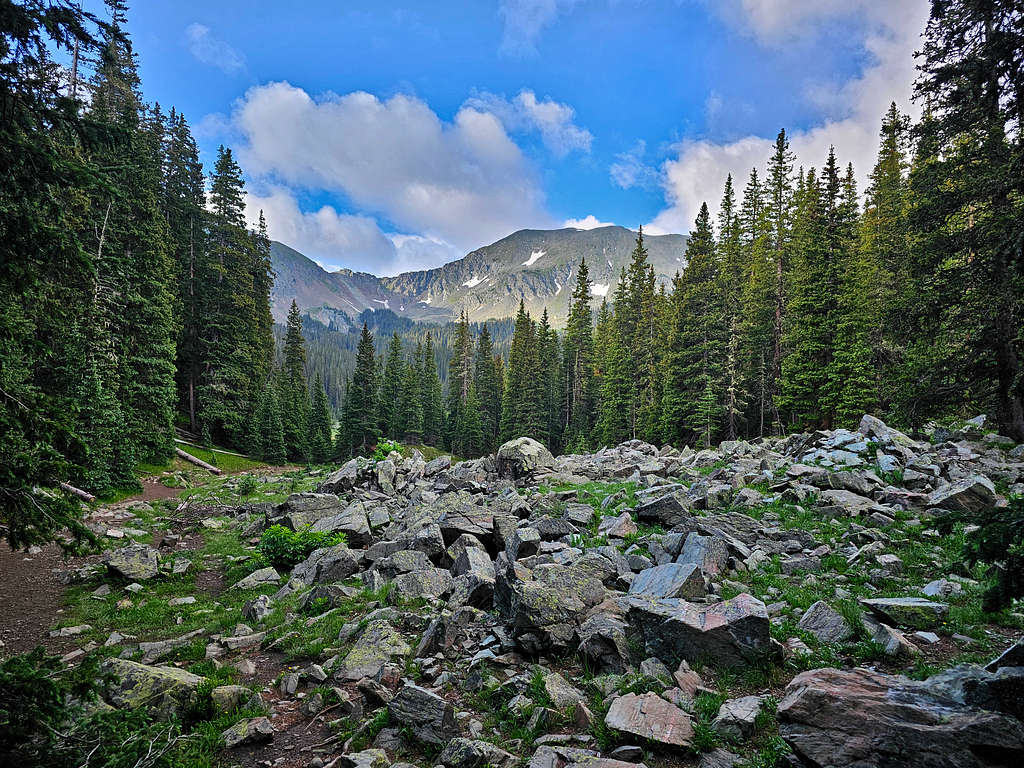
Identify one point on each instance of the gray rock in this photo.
(257, 730)
(602, 641)
(367, 758)
(735, 719)
(670, 580)
(164, 691)
(912, 612)
(256, 579)
(825, 623)
(562, 694)
(709, 553)
(257, 609)
(430, 582)
(1011, 657)
(617, 527)
(135, 562)
(378, 645)
(972, 494)
(351, 521)
(342, 479)
(428, 717)
(650, 717)
(327, 566)
(523, 542)
(522, 458)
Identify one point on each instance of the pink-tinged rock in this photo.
(651, 717)
(860, 718)
(731, 632)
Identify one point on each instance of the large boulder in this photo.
(136, 562)
(351, 521)
(327, 565)
(522, 458)
(342, 479)
(913, 612)
(379, 643)
(603, 643)
(972, 494)
(428, 717)
(670, 580)
(256, 730)
(165, 691)
(709, 553)
(826, 623)
(650, 717)
(860, 719)
(302, 509)
(731, 632)
(473, 753)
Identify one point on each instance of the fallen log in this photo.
(83, 495)
(197, 462)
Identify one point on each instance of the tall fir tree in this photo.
(488, 390)
(433, 402)
(293, 392)
(392, 381)
(320, 443)
(578, 366)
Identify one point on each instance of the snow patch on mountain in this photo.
(600, 289)
(473, 282)
(534, 255)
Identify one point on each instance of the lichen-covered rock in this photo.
(972, 494)
(670, 580)
(602, 641)
(327, 565)
(256, 579)
(473, 753)
(379, 643)
(256, 730)
(523, 457)
(732, 632)
(164, 691)
(913, 612)
(135, 562)
(428, 717)
(736, 717)
(709, 553)
(430, 582)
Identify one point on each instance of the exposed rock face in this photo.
(327, 565)
(651, 717)
(972, 494)
(472, 753)
(135, 562)
(860, 718)
(523, 457)
(430, 718)
(733, 631)
(164, 691)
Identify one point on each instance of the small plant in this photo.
(248, 485)
(285, 549)
(383, 449)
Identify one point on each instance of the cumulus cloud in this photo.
(524, 20)
(211, 50)
(631, 170)
(461, 183)
(590, 221)
(526, 113)
(853, 110)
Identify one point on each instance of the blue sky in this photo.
(386, 136)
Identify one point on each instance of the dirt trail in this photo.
(30, 600)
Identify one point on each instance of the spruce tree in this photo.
(361, 399)
(433, 404)
(730, 287)
(579, 362)
(394, 378)
(488, 391)
(293, 392)
(410, 406)
(460, 376)
(320, 445)
(614, 424)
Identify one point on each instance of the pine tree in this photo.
(361, 399)
(293, 392)
(522, 403)
(269, 442)
(579, 362)
(320, 446)
(549, 374)
(778, 212)
(488, 391)
(391, 416)
(730, 286)
(410, 407)
(460, 376)
(613, 382)
(433, 405)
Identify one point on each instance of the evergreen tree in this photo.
(614, 424)
(268, 442)
(391, 419)
(488, 391)
(410, 407)
(293, 393)
(730, 286)
(778, 211)
(460, 376)
(361, 400)
(578, 363)
(320, 446)
(522, 404)
(433, 406)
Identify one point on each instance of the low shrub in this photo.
(285, 549)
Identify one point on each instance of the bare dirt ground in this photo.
(30, 599)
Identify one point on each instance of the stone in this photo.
(912, 612)
(735, 719)
(862, 718)
(523, 458)
(257, 609)
(871, 426)
(327, 565)
(436, 466)
(430, 582)
(668, 510)
(342, 479)
(367, 758)
(825, 623)
(428, 717)
(523, 542)
(351, 521)
(709, 553)
(617, 527)
(256, 730)
(733, 631)
(377, 646)
(718, 758)
(562, 694)
(257, 579)
(156, 650)
(135, 562)
(227, 698)
(603, 643)
(1011, 657)
(473, 753)
(972, 494)
(670, 580)
(941, 588)
(164, 691)
(650, 717)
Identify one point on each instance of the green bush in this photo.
(384, 447)
(285, 549)
(247, 486)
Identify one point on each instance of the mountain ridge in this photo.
(534, 265)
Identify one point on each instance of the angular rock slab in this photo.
(670, 580)
(913, 612)
(473, 753)
(378, 644)
(257, 730)
(136, 562)
(164, 691)
(972, 494)
(861, 719)
(730, 632)
(825, 623)
(650, 717)
(430, 718)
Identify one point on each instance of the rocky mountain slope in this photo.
(537, 266)
(786, 602)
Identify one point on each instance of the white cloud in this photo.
(526, 113)
(524, 20)
(461, 183)
(630, 170)
(590, 221)
(852, 110)
(210, 50)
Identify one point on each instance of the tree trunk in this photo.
(197, 462)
